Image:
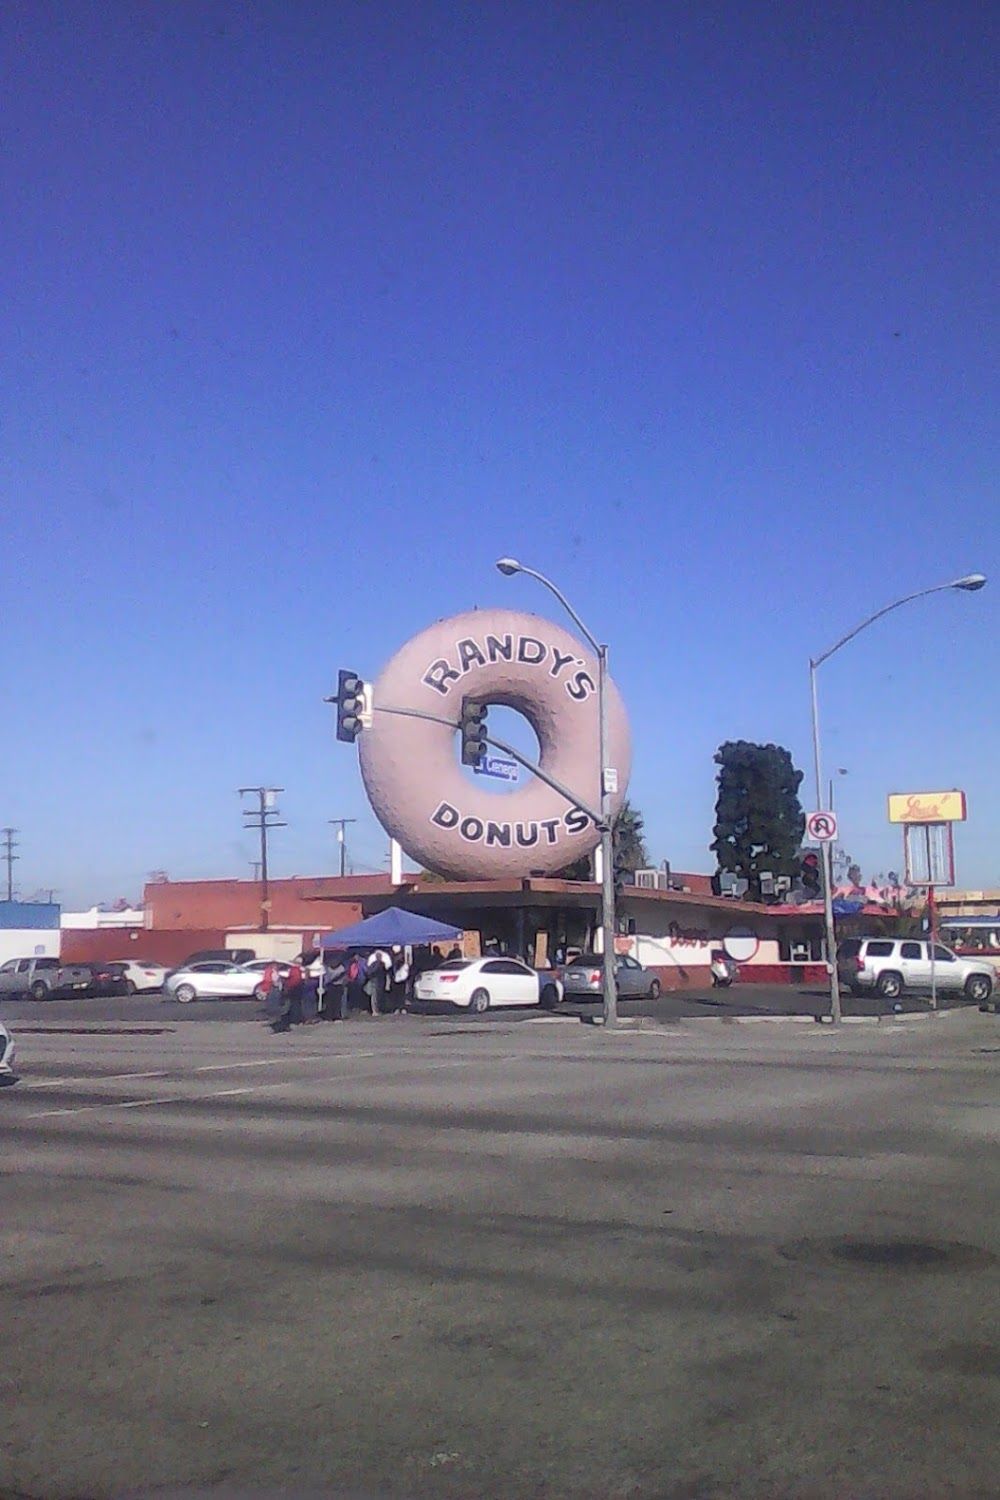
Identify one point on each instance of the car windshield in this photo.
(453, 964)
(588, 961)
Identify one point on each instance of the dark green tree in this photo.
(758, 817)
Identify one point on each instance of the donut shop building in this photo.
(670, 931)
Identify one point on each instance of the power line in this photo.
(340, 824)
(263, 817)
(10, 844)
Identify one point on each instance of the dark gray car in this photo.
(584, 977)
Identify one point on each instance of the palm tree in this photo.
(629, 843)
(628, 835)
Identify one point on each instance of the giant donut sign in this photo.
(411, 769)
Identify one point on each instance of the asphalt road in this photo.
(525, 1259)
(738, 1000)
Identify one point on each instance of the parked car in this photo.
(724, 970)
(108, 979)
(43, 978)
(141, 974)
(584, 977)
(479, 984)
(212, 979)
(217, 955)
(891, 965)
(7, 1053)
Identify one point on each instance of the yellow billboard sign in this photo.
(927, 807)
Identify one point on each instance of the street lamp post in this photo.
(508, 566)
(970, 584)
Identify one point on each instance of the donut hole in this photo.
(514, 727)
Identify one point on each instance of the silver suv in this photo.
(891, 965)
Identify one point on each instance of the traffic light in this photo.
(810, 872)
(473, 730)
(621, 873)
(350, 701)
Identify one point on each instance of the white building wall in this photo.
(96, 917)
(28, 942)
(682, 938)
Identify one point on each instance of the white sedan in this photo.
(478, 984)
(141, 975)
(212, 979)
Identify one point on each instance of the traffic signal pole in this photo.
(826, 862)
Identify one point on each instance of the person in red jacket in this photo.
(270, 987)
(293, 985)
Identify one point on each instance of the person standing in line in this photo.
(379, 966)
(270, 987)
(335, 990)
(400, 979)
(357, 975)
(294, 981)
(310, 997)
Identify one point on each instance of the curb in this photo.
(650, 1023)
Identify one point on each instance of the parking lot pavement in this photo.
(523, 1259)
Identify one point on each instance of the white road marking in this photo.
(266, 1062)
(472, 1060)
(52, 1083)
(196, 1099)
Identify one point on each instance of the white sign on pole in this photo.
(610, 780)
(822, 827)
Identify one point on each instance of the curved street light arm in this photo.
(531, 572)
(937, 588)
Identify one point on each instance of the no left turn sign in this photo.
(822, 826)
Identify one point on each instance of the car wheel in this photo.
(890, 985)
(978, 988)
(259, 993)
(185, 993)
(654, 990)
(550, 998)
(39, 991)
(479, 1004)
(130, 987)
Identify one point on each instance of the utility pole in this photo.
(340, 824)
(9, 845)
(263, 817)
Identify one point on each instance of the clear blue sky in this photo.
(311, 311)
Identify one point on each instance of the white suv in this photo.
(891, 965)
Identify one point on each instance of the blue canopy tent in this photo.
(393, 927)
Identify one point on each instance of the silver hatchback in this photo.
(584, 978)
